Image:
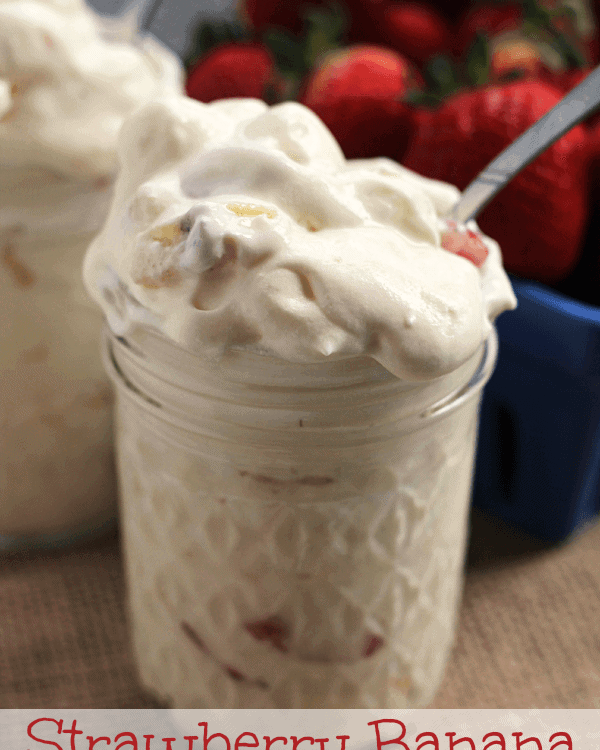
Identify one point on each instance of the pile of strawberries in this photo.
(441, 90)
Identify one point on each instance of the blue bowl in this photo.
(538, 461)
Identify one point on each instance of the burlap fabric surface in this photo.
(529, 634)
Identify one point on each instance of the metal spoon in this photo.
(150, 12)
(575, 107)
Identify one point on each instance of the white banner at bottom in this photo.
(299, 729)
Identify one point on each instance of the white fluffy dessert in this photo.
(68, 78)
(298, 363)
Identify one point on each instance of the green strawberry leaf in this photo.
(289, 56)
(295, 56)
(477, 66)
(539, 22)
(533, 12)
(441, 76)
(324, 30)
(287, 50)
(422, 99)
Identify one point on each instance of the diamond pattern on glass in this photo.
(250, 593)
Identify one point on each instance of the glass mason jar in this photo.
(294, 534)
(56, 473)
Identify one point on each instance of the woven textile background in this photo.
(529, 633)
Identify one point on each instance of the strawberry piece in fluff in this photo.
(464, 242)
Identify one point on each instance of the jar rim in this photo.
(242, 416)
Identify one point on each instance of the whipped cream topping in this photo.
(238, 225)
(68, 78)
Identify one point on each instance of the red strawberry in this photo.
(357, 93)
(372, 644)
(415, 30)
(540, 218)
(464, 242)
(273, 630)
(231, 70)
(565, 80)
(489, 19)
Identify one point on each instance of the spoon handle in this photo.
(149, 11)
(570, 111)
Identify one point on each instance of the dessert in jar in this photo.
(68, 78)
(298, 349)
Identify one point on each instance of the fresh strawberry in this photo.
(564, 80)
(593, 133)
(540, 217)
(415, 30)
(358, 92)
(464, 242)
(235, 69)
(362, 70)
(488, 19)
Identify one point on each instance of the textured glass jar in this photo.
(57, 472)
(294, 535)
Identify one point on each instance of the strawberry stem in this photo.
(296, 56)
(544, 20)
